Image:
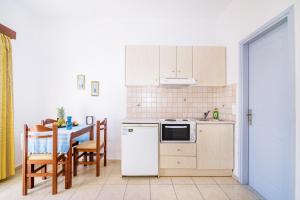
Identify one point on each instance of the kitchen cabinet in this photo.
(184, 62)
(142, 65)
(178, 155)
(215, 146)
(176, 62)
(167, 61)
(177, 162)
(177, 149)
(209, 66)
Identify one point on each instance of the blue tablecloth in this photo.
(44, 145)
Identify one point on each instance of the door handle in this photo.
(250, 116)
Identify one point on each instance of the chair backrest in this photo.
(41, 128)
(101, 125)
(48, 121)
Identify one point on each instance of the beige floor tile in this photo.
(187, 192)
(161, 181)
(226, 181)
(237, 192)
(182, 181)
(138, 181)
(162, 192)
(204, 180)
(137, 192)
(116, 180)
(86, 192)
(112, 192)
(212, 192)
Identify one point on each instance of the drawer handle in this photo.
(178, 162)
(200, 131)
(178, 150)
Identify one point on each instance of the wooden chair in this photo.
(30, 160)
(48, 121)
(93, 148)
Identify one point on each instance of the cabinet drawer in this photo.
(177, 162)
(182, 149)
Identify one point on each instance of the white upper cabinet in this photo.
(209, 66)
(167, 61)
(142, 65)
(176, 62)
(145, 65)
(184, 62)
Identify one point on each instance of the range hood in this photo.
(177, 81)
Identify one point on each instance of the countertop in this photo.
(140, 121)
(157, 121)
(215, 122)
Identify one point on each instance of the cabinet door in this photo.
(142, 65)
(167, 61)
(184, 62)
(215, 146)
(209, 66)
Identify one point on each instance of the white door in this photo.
(142, 65)
(140, 149)
(270, 99)
(167, 61)
(209, 66)
(184, 62)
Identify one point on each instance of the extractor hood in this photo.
(177, 81)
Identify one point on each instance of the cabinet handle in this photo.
(178, 150)
(179, 71)
(200, 131)
(173, 70)
(178, 162)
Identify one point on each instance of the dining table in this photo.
(65, 139)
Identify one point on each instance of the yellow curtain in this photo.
(7, 154)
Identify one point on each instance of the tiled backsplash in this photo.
(190, 102)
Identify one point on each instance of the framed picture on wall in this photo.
(80, 82)
(95, 88)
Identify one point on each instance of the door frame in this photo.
(243, 92)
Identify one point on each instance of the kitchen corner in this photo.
(177, 147)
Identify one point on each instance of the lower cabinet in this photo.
(178, 155)
(178, 162)
(211, 155)
(215, 146)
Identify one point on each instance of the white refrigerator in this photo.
(140, 149)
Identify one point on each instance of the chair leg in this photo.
(31, 179)
(54, 178)
(44, 170)
(75, 162)
(85, 158)
(66, 174)
(97, 164)
(24, 179)
(91, 156)
(105, 159)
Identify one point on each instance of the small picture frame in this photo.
(80, 82)
(89, 120)
(95, 88)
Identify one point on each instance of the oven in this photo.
(184, 131)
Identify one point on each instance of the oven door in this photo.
(175, 133)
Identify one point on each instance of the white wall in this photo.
(28, 103)
(55, 43)
(239, 20)
(97, 50)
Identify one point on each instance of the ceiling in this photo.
(183, 9)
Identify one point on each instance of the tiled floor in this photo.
(110, 186)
